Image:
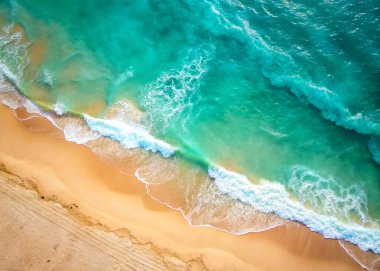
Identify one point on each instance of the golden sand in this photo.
(72, 175)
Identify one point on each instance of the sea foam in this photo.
(174, 90)
(325, 194)
(266, 197)
(273, 198)
(129, 136)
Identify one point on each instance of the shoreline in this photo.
(72, 174)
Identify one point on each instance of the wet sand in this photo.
(110, 209)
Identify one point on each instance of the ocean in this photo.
(240, 114)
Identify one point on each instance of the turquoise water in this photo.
(282, 91)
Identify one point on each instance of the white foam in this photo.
(78, 134)
(128, 135)
(273, 198)
(324, 193)
(173, 91)
(8, 74)
(13, 54)
(59, 108)
(47, 78)
(267, 197)
(368, 261)
(203, 201)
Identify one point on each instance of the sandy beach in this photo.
(59, 187)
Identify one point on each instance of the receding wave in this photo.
(273, 198)
(266, 197)
(129, 136)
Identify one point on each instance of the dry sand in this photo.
(107, 221)
(42, 235)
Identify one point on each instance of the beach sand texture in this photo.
(107, 221)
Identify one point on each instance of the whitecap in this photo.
(59, 108)
(129, 136)
(273, 198)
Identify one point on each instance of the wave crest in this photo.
(272, 198)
